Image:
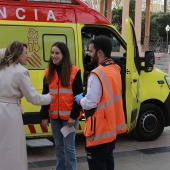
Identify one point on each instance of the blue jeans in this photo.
(65, 146)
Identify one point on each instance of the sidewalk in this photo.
(129, 155)
(157, 161)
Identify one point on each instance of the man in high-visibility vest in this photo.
(102, 105)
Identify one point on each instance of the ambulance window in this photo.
(118, 50)
(90, 32)
(63, 34)
(52, 39)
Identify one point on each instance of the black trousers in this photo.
(101, 157)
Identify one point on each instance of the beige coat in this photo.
(14, 84)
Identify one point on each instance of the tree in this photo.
(165, 5)
(117, 15)
(117, 18)
(132, 10)
(154, 30)
(162, 19)
(95, 4)
(117, 4)
(156, 5)
(158, 20)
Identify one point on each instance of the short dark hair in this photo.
(103, 43)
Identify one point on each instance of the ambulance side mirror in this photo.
(149, 61)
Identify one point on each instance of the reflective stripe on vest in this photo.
(61, 113)
(106, 134)
(54, 91)
(112, 98)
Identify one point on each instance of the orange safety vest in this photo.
(108, 119)
(63, 96)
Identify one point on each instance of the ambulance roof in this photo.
(62, 11)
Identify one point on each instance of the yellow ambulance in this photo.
(40, 23)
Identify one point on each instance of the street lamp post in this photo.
(167, 28)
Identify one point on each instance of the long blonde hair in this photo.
(12, 53)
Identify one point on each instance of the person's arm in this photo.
(94, 93)
(30, 92)
(77, 88)
(44, 114)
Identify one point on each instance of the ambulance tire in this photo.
(150, 124)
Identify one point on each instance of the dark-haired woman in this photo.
(63, 80)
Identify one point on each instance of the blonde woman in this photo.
(15, 83)
(2, 53)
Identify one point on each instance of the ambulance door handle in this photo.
(135, 80)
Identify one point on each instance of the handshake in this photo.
(78, 97)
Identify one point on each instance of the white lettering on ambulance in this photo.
(17, 13)
(3, 13)
(21, 14)
(51, 15)
(36, 14)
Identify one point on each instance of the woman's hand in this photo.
(52, 99)
(71, 122)
(45, 123)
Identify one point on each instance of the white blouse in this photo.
(94, 92)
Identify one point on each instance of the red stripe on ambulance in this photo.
(36, 59)
(32, 128)
(43, 129)
(30, 59)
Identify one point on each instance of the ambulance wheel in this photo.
(150, 124)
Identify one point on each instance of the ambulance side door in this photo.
(132, 76)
